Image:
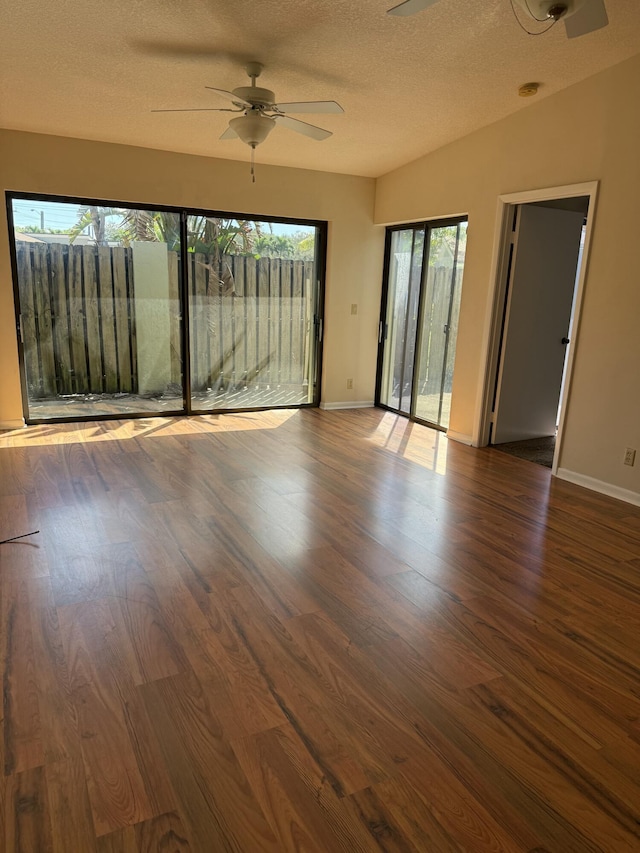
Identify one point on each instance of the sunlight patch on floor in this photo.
(81, 433)
(417, 443)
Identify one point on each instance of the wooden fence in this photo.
(82, 336)
(436, 346)
(254, 325)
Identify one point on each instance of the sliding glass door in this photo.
(130, 311)
(253, 308)
(99, 311)
(404, 261)
(419, 320)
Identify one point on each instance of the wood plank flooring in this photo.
(311, 631)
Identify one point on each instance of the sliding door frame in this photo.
(428, 226)
(317, 320)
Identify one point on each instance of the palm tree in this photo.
(210, 235)
(94, 218)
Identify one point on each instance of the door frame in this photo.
(500, 269)
(429, 225)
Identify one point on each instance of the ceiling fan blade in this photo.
(310, 107)
(229, 134)
(229, 96)
(195, 110)
(589, 17)
(302, 127)
(411, 7)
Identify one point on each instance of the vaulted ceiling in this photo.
(95, 70)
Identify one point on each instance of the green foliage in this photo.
(297, 247)
(207, 235)
(94, 218)
(219, 237)
(443, 241)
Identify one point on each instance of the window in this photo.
(128, 311)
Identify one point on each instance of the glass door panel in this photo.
(420, 319)
(454, 315)
(253, 313)
(403, 291)
(439, 323)
(100, 294)
(100, 319)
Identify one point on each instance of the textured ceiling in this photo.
(94, 70)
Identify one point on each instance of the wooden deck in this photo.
(312, 631)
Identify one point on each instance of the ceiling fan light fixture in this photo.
(252, 128)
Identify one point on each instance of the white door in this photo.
(541, 288)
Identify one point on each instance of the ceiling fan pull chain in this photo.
(253, 164)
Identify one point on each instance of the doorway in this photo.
(535, 324)
(424, 263)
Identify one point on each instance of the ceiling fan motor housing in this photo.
(545, 9)
(255, 95)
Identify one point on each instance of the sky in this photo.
(59, 215)
(56, 215)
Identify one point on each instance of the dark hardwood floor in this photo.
(312, 631)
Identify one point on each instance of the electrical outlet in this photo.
(354, 307)
(350, 384)
(629, 456)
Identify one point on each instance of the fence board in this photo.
(58, 267)
(228, 342)
(442, 295)
(194, 308)
(79, 369)
(286, 321)
(263, 366)
(434, 338)
(107, 321)
(44, 331)
(308, 328)
(28, 321)
(239, 324)
(297, 323)
(204, 322)
(453, 330)
(92, 321)
(251, 315)
(131, 318)
(123, 325)
(275, 331)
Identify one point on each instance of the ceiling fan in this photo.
(580, 16)
(259, 113)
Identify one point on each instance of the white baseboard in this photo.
(599, 486)
(17, 424)
(350, 404)
(459, 437)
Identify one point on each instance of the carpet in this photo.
(538, 450)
